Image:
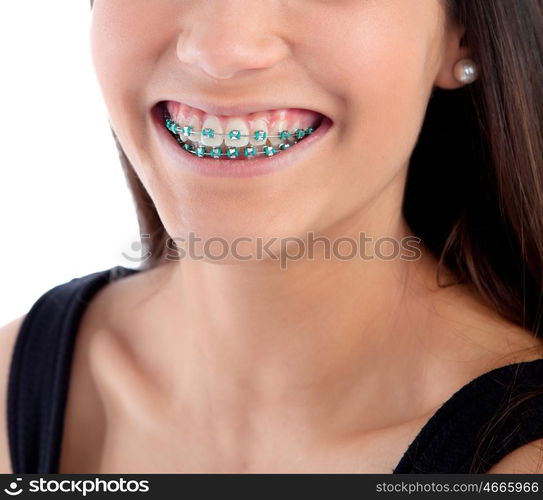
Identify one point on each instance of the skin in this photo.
(331, 365)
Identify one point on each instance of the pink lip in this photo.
(234, 168)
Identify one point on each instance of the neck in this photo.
(257, 335)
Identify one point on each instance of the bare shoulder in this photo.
(8, 335)
(117, 306)
(102, 369)
(481, 334)
(465, 338)
(527, 459)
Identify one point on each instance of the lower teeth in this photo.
(288, 140)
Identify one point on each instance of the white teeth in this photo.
(256, 126)
(276, 130)
(240, 126)
(214, 124)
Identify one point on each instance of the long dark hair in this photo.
(474, 192)
(475, 186)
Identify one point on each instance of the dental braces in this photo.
(258, 135)
(232, 152)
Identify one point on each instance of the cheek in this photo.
(390, 89)
(380, 60)
(126, 39)
(125, 45)
(379, 64)
(391, 77)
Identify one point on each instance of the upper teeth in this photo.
(254, 129)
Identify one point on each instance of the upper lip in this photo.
(236, 109)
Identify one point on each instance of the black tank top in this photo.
(448, 443)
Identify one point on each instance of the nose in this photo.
(225, 38)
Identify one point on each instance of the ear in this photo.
(454, 49)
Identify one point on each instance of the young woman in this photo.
(313, 140)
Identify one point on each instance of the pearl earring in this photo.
(466, 71)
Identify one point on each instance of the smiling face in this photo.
(363, 69)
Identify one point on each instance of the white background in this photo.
(65, 208)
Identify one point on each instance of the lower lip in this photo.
(236, 168)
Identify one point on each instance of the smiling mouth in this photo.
(257, 135)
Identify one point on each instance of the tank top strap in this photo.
(481, 423)
(40, 371)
